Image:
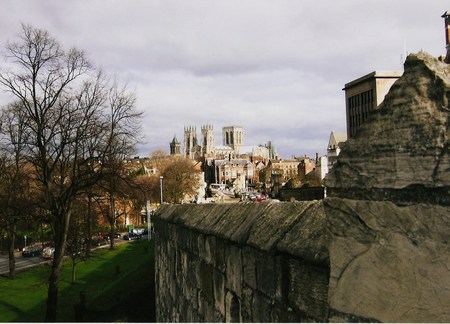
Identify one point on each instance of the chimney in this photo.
(446, 17)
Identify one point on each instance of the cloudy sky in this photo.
(276, 67)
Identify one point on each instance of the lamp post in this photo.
(149, 227)
(161, 186)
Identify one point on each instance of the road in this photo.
(23, 263)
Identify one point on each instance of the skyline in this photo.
(275, 68)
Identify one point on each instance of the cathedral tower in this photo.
(233, 136)
(175, 147)
(191, 147)
(208, 146)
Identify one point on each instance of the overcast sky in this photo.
(277, 67)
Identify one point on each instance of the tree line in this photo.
(63, 139)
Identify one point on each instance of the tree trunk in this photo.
(111, 241)
(112, 220)
(89, 224)
(58, 258)
(52, 296)
(12, 261)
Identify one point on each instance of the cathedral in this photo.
(232, 143)
(231, 162)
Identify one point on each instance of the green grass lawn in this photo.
(118, 285)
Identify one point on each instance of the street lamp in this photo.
(149, 227)
(161, 186)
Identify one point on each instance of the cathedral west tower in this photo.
(208, 147)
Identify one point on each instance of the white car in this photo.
(47, 253)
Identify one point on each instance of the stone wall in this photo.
(335, 260)
(302, 194)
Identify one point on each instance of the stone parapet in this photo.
(328, 261)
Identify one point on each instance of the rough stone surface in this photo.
(403, 153)
(377, 261)
(389, 263)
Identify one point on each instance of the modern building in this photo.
(364, 95)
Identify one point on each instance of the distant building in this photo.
(232, 148)
(175, 146)
(192, 150)
(233, 136)
(364, 95)
(208, 147)
(333, 148)
(227, 171)
(288, 168)
(321, 167)
(232, 162)
(305, 167)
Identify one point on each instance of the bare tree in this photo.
(15, 180)
(72, 131)
(76, 239)
(123, 132)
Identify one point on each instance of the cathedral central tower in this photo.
(233, 136)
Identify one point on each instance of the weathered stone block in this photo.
(283, 315)
(210, 248)
(247, 305)
(220, 260)
(273, 223)
(219, 291)
(261, 308)
(206, 281)
(233, 272)
(266, 274)
(232, 308)
(406, 261)
(193, 242)
(308, 291)
(200, 239)
(249, 266)
(209, 312)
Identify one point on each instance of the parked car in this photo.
(47, 253)
(107, 235)
(31, 252)
(260, 197)
(98, 241)
(131, 236)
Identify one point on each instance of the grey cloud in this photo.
(275, 67)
